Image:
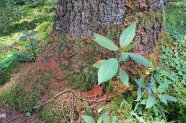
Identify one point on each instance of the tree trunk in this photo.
(81, 18)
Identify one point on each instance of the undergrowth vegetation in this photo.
(12, 22)
(157, 93)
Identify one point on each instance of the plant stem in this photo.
(33, 50)
(109, 88)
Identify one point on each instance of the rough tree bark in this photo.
(81, 18)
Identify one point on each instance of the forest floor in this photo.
(13, 20)
(41, 18)
(16, 19)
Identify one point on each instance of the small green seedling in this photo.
(109, 68)
(29, 36)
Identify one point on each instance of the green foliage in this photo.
(27, 92)
(127, 35)
(98, 63)
(33, 43)
(120, 106)
(82, 81)
(104, 118)
(162, 95)
(174, 18)
(124, 77)
(4, 63)
(5, 74)
(138, 58)
(18, 2)
(105, 42)
(124, 57)
(89, 110)
(20, 98)
(109, 68)
(52, 113)
(13, 20)
(152, 100)
(88, 119)
(173, 72)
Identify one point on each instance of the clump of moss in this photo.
(30, 87)
(53, 113)
(82, 81)
(120, 107)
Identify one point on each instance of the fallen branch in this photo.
(53, 98)
(74, 95)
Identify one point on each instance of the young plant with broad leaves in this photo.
(157, 93)
(104, 118)
(152, 95)
(32, 42)
(109, 68)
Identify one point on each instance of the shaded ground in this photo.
(10, 115)
(75, 63)
(15, 19)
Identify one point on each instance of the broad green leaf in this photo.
(4, 63)
(34, 33)
(23, 38)
(114, 119)
(25, 32)
(163, 98)
(162, 87)
(156, 111)
(151, 101)
(34, 42)
(143, 102)
(105, 117)
(88, 109)
(98, 63)
(139, 83)
(127, 35)
(171, 98)
(120, 121)
(105, 42)
(153, 85)
(88, 119)
(27, 114)
(140, 119)
(131, 46)
(139, 94)
(139, 59)
(123, 57)
(107, 70)
(124, 77)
